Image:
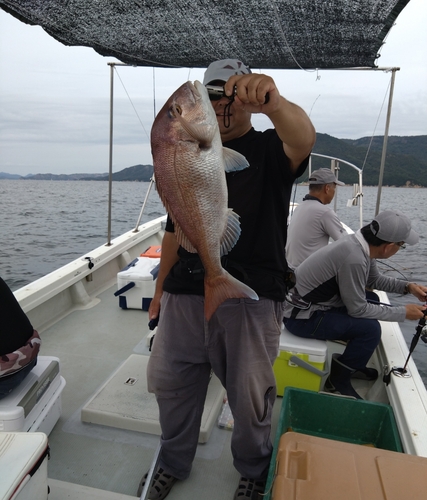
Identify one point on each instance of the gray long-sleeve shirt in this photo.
(311, 226)
(338, 275)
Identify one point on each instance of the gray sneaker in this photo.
(160, 487)
(250, 489)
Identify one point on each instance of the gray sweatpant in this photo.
(240, 344)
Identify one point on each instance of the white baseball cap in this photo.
(223, 69)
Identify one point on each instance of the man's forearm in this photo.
(295, 130)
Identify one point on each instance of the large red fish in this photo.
(189, 167)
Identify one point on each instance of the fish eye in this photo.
(174, 110)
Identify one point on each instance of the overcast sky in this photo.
(54, 100)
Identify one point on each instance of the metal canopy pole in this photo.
(384, 151)
(152, 180)
(110, 168)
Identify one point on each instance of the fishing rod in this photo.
(372, 301)
(420, 332)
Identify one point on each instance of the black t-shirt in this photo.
(260, 195)
(15, 327)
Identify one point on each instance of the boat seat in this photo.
(35, 404)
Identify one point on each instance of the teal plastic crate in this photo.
(335, 417)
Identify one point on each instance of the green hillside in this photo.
(406, 145)
(406, 160)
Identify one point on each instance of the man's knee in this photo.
(372, 330)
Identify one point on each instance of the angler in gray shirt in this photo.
(329, 300)
(313, 223)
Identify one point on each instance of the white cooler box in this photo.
(35, 405)
(136, 283)
(23, 466)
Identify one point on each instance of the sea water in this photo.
(47, 224)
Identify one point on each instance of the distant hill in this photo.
(64, 177)
(4, 175)
(141, 173)
(406, 162)
(406, 145)
(406, 159)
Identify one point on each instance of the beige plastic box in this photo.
(309, 467)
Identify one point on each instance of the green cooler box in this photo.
(301, 363)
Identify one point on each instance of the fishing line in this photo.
(392, 268)
(376, 124)
(154, 93)
(312, 106)
(286, 41)
(130, 100)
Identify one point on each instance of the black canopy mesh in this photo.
(181, 33)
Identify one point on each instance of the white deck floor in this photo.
(86, 458)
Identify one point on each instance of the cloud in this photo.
(54, 100)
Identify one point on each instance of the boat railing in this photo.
(357, 199)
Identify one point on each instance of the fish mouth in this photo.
(196, 89)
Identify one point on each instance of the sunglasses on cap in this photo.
(216, 92)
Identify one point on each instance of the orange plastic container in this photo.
(154, 251)
(309, 467)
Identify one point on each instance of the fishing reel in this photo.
(421, 329)
(423, 335)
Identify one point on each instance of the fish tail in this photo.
(224, 287)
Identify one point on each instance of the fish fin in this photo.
(234, 161)
(224, 287)
(231, 233)
(182, 239)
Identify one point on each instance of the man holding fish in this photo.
(221, 284)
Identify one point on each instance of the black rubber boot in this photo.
(365, 374)
(339, 380)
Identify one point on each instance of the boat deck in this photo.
(91, 344)
(91, 461)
